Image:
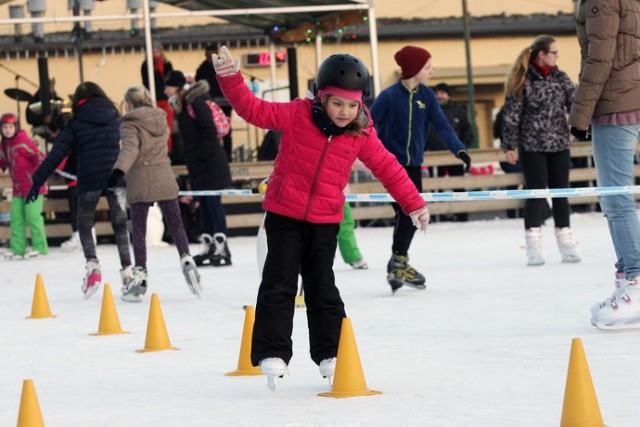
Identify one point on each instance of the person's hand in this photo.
(33, 194)
(464, 156)
(420, 218)
(512, 157)
(115, 180)
(225, 64)
(581, 135)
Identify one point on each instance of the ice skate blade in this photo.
(618, 326)
(131, 298)
(571, 260)
(87, 292)
(194, 286)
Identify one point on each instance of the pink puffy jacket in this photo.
(311, 169)
(22, 156)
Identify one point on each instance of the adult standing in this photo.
(161, 67)
(459, 121)
(206, 162)
(538, 96)
(403, 115)
(608, 98)
(207, 72)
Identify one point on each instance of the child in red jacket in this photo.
(21, 156)
(321, 139)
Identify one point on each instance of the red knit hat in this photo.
(411, 59)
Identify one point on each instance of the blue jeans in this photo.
(613, 151)
(212, 215)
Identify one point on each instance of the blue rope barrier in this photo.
(460, 196)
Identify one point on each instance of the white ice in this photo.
(486, 344)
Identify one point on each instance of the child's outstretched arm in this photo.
(225, 64)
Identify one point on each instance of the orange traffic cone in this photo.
(30, 414)
(244, 359)
(349, 378)
(109, 321)
(157, 336)
(40, 307)
(580, 408)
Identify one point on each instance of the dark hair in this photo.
(86, 90)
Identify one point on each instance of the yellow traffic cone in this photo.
(244, 359)
(157, 336)
(349, 378)
(30, 414)
(40, 307)
(109, 321)
(580, 408)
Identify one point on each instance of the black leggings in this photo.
(546, 170)
(87, 203)
(404, 229)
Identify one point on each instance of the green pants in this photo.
(346, 239)
(31, 215)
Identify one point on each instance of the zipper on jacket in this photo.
(410, 127)
(315, 176)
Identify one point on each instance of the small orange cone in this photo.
(30, 414)
(109, 321)
(349, 378)
(580, 408)
(40, 306)
(157, 336)
(244, 359)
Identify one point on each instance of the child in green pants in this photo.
(21, 156)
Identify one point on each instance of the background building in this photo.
(111, 52)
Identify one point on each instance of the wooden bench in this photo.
(244, 213)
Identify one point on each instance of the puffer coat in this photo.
(311, 169)
(21, 156)
(144, 157)
(538, 121)
(610, 66)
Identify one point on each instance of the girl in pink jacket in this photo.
(21, 156)
(321, 139)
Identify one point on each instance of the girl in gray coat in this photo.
(144, 163)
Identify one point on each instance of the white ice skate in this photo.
(92, 279)
(623, 311)
(273, 368)
(327, 369)
(72, 244)
(535, 254)
(620, 283)
(136, 286)
(567, 246)
(191, 274)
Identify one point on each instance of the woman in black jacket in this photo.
(94, 133)
(206, 162)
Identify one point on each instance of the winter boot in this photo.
(204, 257)
(620, 283)
(328, 368)
(273, 368)
(533, 237)
(92, 279)
(568, 248)
(400, 273)
(72, 244)
(219, 251)
(191, 274)
(136, 286)
(622, 311)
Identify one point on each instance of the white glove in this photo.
(420, 218)
(225, 64)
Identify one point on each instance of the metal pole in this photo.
(471, 101)
(148, 49)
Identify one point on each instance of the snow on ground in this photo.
(487, 344)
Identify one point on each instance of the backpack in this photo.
(222, 122)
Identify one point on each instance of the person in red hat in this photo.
(404, 115)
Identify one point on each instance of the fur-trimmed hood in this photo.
(199, 88)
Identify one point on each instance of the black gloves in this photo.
(33, 194)
(464, 156)
(581, 135)
(116, 179)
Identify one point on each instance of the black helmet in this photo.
(344, 71)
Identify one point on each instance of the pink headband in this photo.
(355, 95)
